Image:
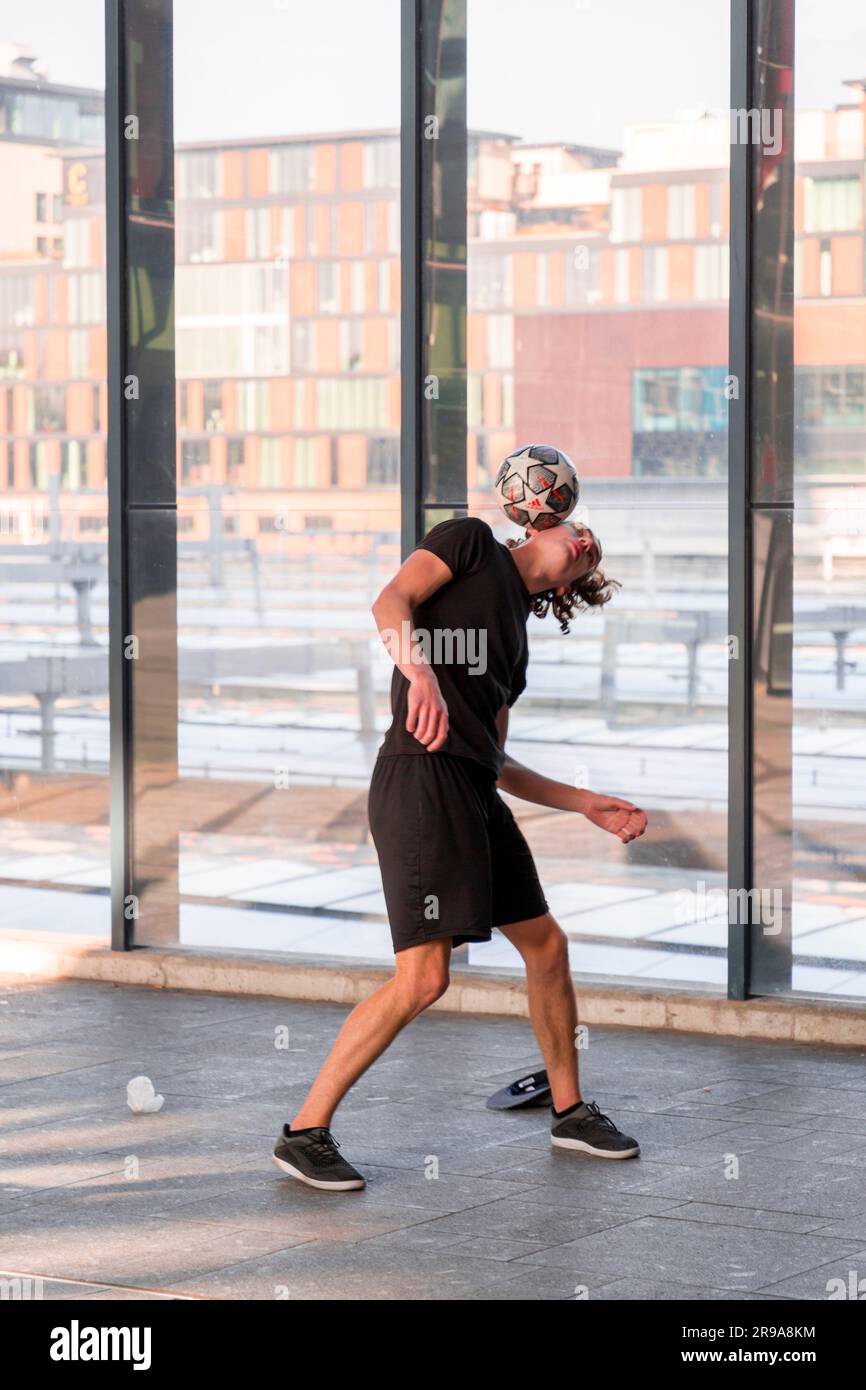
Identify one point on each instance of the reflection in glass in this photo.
(288, 407)
(598, 281)
(829, 525)
(54, 838)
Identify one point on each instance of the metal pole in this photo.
(740, 558)
(411, 257)
(119, 625)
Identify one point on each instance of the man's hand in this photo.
(618, 817)
(428, 712)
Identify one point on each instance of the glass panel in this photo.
(443, 154)
(772, 246)
(633, 702)
(54, 836)
(829, 533)
(767, 914)
(829, 908)
(288, 401)
(149, 433)
(598, 322)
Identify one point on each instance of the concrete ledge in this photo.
(40, 956)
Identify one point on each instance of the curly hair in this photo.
(590, 591)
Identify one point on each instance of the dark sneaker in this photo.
(313, 1156)
(593, 1133)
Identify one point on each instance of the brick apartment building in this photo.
(597, 290)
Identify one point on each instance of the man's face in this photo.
(567, 552)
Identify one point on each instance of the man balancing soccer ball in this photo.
(454, 863)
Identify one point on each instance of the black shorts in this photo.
(454, 862)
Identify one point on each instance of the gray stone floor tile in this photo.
(203, 1213)
(823, 1189)
(844, 1279)
(327, 1270)
(652, 1290)
(721, 1257)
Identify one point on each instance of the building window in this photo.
(830, 397)
(384, 274)
(679, 422)
(711, 272)
(213, 406)
(358, 296)
(489, 284)
(271, 463)
(76, 243)
(382, 163)
(41, 207)
(832, 205)
(621, 276)
(715, 209)
(343, 404)
(500, 340)
(351, 344)
(655, 274)
(327, 287)
(73, 466)
(507, 400)
(87, 298)
(199, 175)
(38, 466)
(626, 218)
(305, 462)
(542, 281)
(681, 212)
(290, 169)
(825, 269)
(582, 276)
(49, 408)
(286, 248)
(79, 353)
(201, 235)
(194, 462)
(383, 461)
(310, 220)
(235, 459)
(258, 234)
(474, 400)
(302, 346)
(679, 399)
(252, 406)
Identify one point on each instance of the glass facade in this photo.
(278, 299)
(828, 506)
(598, 322)
(54, 831)
(287, 365)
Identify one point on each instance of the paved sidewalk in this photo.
(750, 1184)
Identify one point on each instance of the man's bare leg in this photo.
(421, 976)
(552, 1006)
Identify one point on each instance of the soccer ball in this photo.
(537, 486)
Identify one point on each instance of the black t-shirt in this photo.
(475, 641)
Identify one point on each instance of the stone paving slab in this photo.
(462, 1203)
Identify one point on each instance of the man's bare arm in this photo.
(611, 813)
(418, 577)
(521, 781)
